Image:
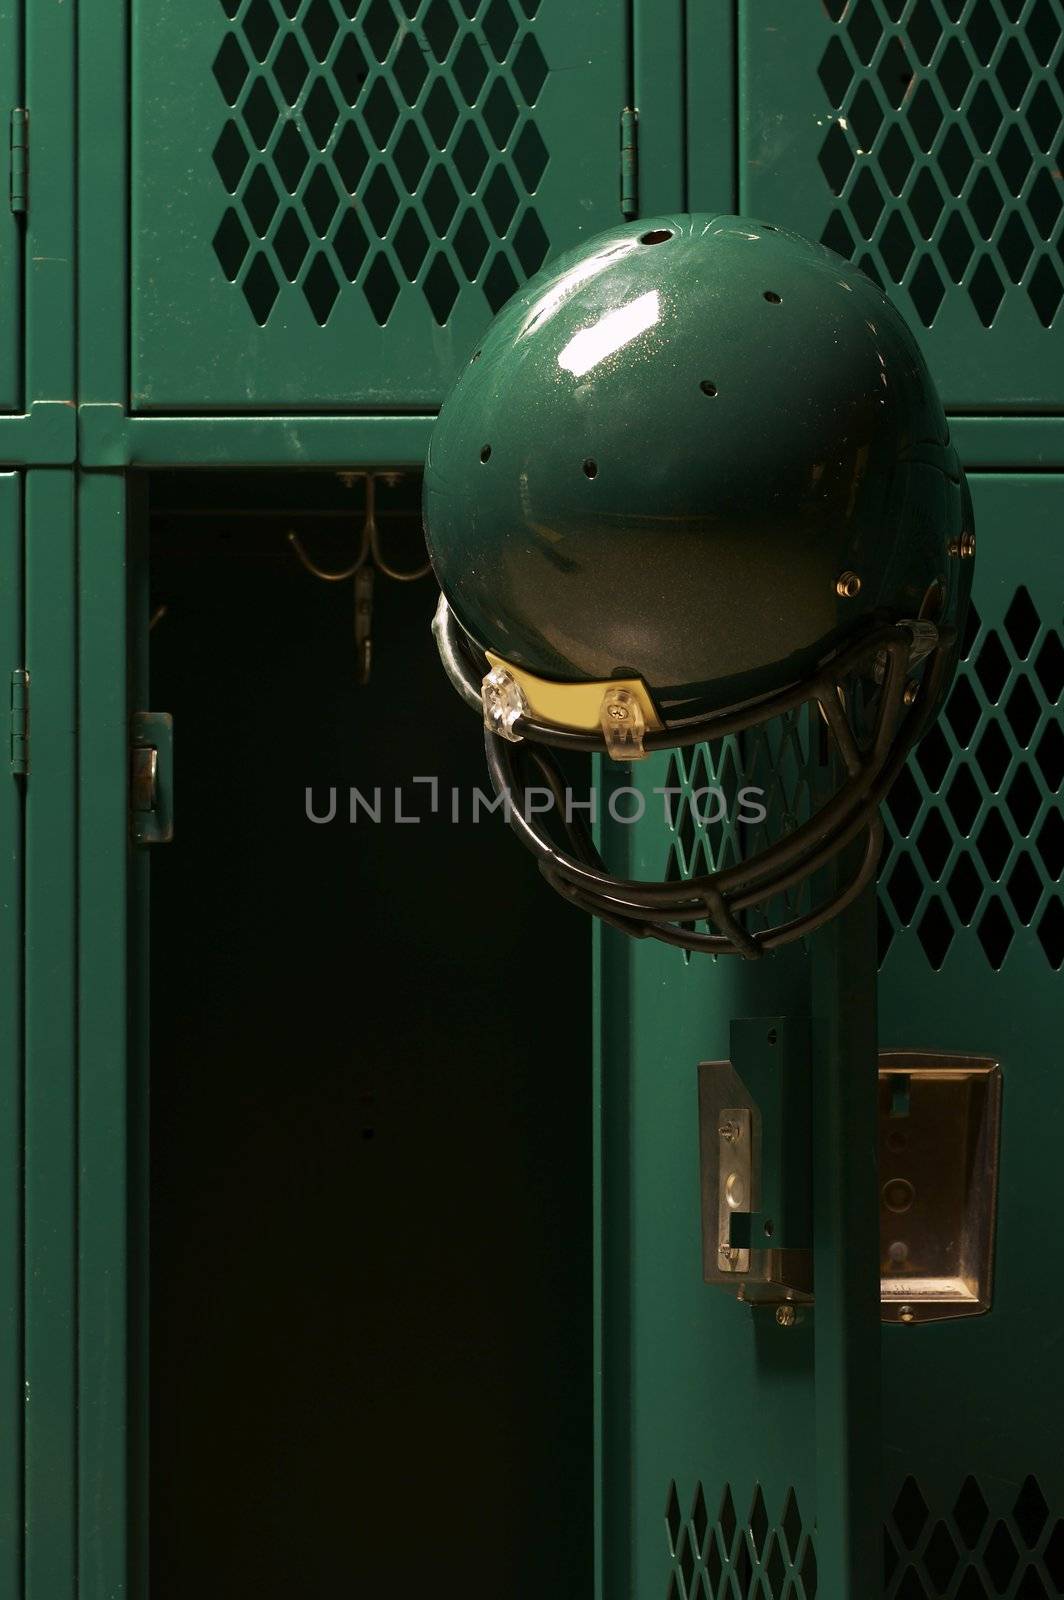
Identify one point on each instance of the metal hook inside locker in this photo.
(370, 558)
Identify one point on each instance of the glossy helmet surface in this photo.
(695, 474)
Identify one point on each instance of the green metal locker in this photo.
(922, 140)
(263, 275)
(329, 201)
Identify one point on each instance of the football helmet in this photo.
(694, 476)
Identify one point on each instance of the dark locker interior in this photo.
(370, 1198)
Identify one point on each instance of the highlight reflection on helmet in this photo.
(695, 476)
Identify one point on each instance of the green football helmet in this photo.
(695, 475)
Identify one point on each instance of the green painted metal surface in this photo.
(11, 913)
(107, 1059)
(718, 1412)
(50, 218)
(11, 223)
(973, 964)
(695, 1393)
(102, 187)
(923, 141)
(329, 201)
(37, 415)
(109, 438)
(708, 85)
(50, 1098)
(846, 1331)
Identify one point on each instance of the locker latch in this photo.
(939, 1136)
(151, 795)
(754, 1114)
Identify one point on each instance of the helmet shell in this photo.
(675, 450)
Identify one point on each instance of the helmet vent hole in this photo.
(655, 236)
(773, 298)
(590, 468)
(474, 357)
(708, 388)
(485, 454)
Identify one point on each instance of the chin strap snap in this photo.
(623, 725)
(504, 703)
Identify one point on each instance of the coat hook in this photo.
(369, 557)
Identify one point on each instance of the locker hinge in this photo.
(629, 162)
(20, 721)
(20, 140)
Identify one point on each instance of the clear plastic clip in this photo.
(925, 639)
(623, 725)
(504, 703)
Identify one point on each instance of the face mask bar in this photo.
(666, 911)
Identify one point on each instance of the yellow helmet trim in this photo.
(574, 705)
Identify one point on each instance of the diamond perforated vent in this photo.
(716, 792)
(715, 1556)
(945, 148)
(975, 832)
(379, 144)
(974, 1551)
(971, 1550)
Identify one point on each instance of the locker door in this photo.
(738, 1456)
(971, 951)
(331, 197)
(923, 140)
(10, 217)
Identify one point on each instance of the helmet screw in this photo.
(727, 1252)
(618, 713)
(786, 1316)
(964, 546)
(912, 689)
(729, 1131)
(906, 1314)
(848, 585)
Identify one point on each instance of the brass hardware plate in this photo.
(145, 777)
(939, 1132)
(939, 1135)
(151, 797)
(768, 1276)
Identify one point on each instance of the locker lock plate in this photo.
(939, 1131)
(939, 1136)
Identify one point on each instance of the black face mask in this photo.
(869, 748)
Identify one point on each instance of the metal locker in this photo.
(923, 141)
(740, 1454)
(330, 200)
